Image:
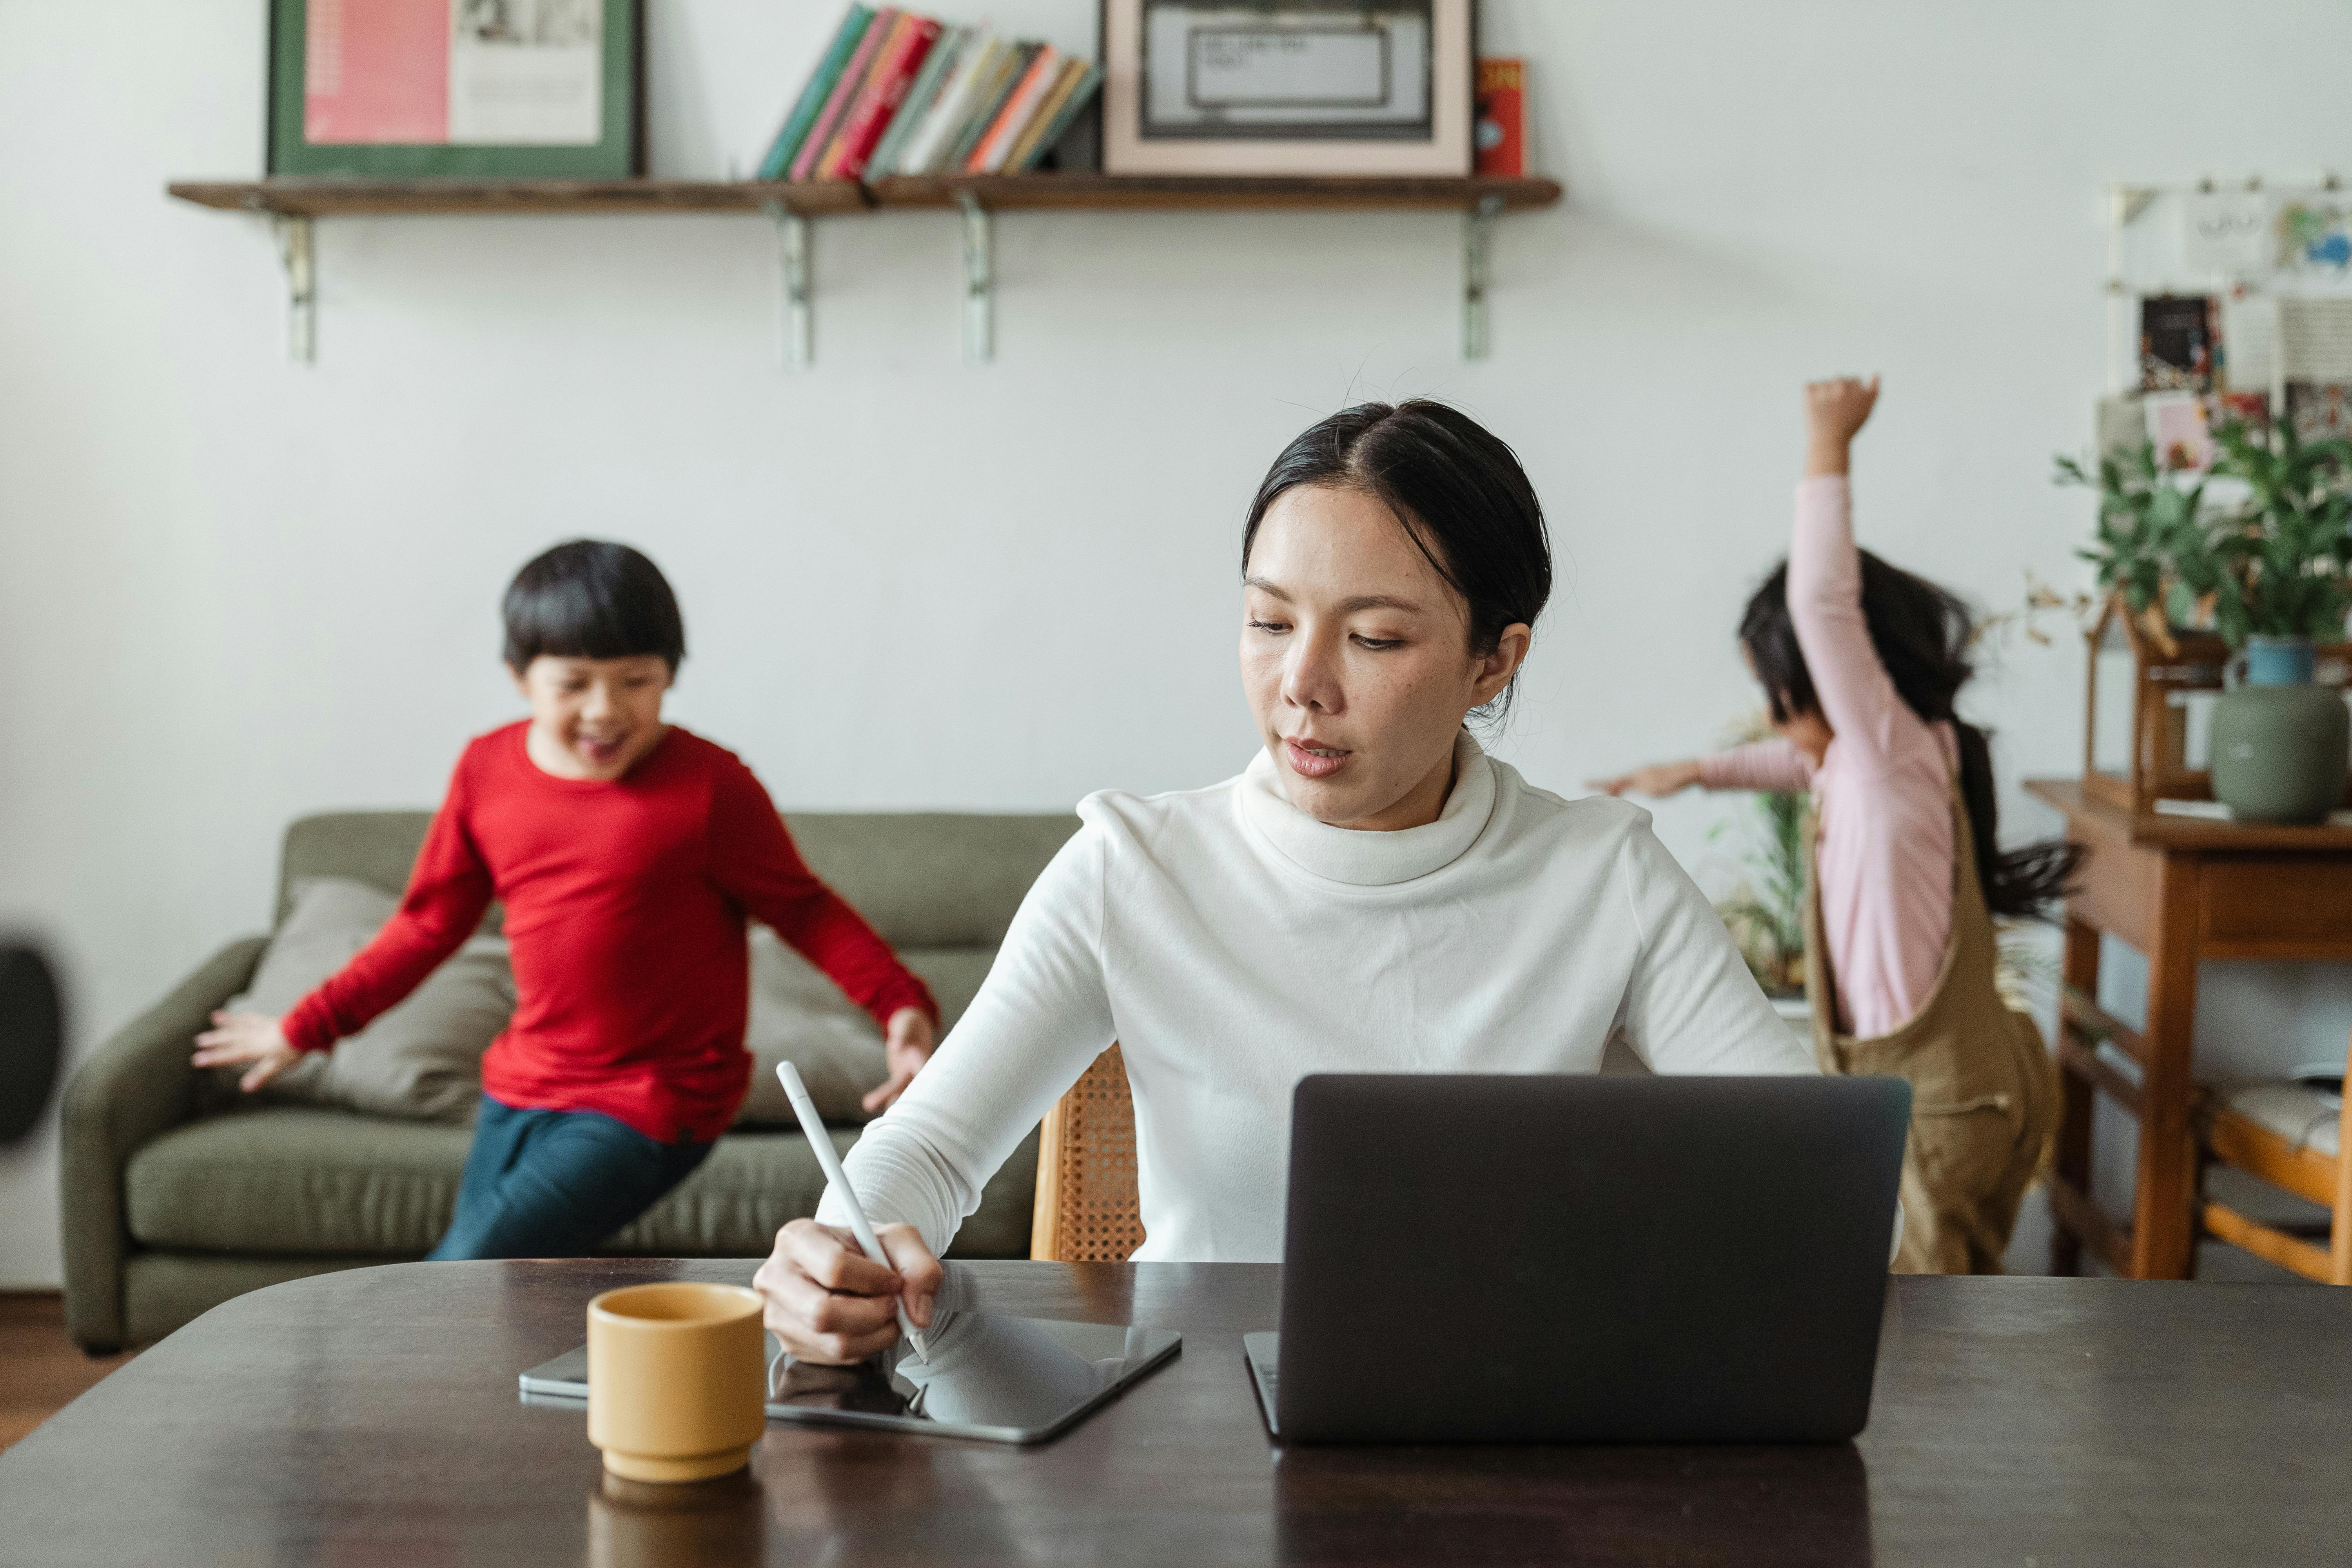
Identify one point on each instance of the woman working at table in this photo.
(1372, 893)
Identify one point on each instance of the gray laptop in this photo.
(1577, 1260)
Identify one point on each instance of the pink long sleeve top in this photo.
(1882, 794)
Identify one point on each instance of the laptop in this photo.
(1582, 1259)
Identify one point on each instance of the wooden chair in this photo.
(1087, 1209)
(2288, 1135)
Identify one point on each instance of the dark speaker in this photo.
(32, 1040)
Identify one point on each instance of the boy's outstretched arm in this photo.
(447, 894)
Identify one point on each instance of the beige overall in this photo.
(1984, 1092)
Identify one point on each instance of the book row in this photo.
(899, 93)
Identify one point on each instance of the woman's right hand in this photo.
(246, 1037)
(1657, 779)
(827, 1301)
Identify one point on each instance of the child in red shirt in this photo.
(628, 853)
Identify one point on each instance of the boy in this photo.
(627, 852)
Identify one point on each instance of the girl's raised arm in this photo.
(1857, 696)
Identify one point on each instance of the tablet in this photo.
(997, 1379)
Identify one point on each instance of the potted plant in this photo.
(1767, 915)
(2258, 549)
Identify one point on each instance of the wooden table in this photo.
(2180, 890)
(371, 1417)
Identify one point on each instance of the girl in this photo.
(1860, 663)
(1373, 894)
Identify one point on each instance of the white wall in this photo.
(233, 590)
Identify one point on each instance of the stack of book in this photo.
(896, 93)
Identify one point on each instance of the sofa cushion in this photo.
(293, 1181)
(300, 1182)
(422, 1056)
(800, 1016)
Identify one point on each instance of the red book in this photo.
(861, 131)
(845, 92)
(1501, 129)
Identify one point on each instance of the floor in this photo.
(41, 1371)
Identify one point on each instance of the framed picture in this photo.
(463, 89)
(1287, 87)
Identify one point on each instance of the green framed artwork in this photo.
(458, 89)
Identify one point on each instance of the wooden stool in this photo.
(1086, 1207)
(2288, 1135)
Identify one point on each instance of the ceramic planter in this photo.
(2280, 742)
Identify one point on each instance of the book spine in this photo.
(988, 106)
(815, 92)
(853, 76)
(828, 163)
(923, 149)
(1066, 79)
(892, 77)
(1089, 81)
(989, 156)
(919, 98)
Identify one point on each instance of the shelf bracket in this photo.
(792, 236)
(1477, 240)
(978, 281)
(293, 231)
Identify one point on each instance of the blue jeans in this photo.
(556, 1183)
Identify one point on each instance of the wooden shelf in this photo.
(2165, 831)
(816, 198)
(337, 197)
(293, 204)
(1003, 192)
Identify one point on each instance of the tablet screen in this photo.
(1013, 1379)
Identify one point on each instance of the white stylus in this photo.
(813, 1126)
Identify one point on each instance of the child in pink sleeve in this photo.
(1860, 662)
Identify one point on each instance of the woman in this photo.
(1861, 663)
(1373, 894)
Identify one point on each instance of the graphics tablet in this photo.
(1001, 1380)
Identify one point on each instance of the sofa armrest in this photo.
(140, 1084)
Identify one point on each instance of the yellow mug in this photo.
(676, 1380)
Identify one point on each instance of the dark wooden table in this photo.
(2181, 890)
(371, 1417)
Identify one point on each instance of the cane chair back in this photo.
(1087, 1209)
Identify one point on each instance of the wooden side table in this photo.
(2180, 890)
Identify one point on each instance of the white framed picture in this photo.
(1287, 87)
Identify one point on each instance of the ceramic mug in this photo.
(676, 1380)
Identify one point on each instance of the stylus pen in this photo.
(830, 1162)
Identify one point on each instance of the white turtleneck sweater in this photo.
(1231, 944)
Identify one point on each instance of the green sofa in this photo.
(177, 1198)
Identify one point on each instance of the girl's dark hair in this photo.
(591, 599)
(1454, 486)
(1921, 635)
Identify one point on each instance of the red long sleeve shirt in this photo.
(625, 908)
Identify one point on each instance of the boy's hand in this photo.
(1657, 779)
(906, 1047)
(246, 1037)
(1835, 411)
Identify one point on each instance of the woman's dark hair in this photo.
(591, 599)
(1921, 633)
(1454, 486)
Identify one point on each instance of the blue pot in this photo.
(2280, 744)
